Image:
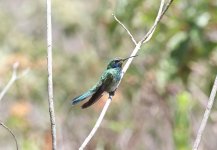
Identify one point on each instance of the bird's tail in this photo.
(82, 97)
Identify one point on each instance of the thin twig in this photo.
(14, 77)
(9, 130)
(206, 115)
(50, 78)
(132, 38)
(146, 38)
(11, 81)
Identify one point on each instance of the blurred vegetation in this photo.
(161, 100)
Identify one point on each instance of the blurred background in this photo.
(161, 100)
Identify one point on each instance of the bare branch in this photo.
(9, 130)
(14, 77)
(98, 122)
(206, 115)
(11, 81)
(145, 39)
(132, 38)
(148, 36)
(50, 78)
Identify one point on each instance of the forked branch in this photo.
(14, 77)
(138, 45)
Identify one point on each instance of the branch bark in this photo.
(50, 78)
(206, 115)
(138, 45)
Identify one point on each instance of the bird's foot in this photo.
(112, 93)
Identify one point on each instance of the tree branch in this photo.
(9, 130)
(93, 131)
(206, 115)
(145, 39)
(14, 77)
(132, 38)
(148, 36)
(50, 78)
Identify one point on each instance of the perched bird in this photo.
(108, 83)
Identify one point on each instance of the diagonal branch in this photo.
(132, 38)
(9, 130)
(14, 77)
(145, 39)
(148, 36)
(93, 131)
(11, 81)
(206, 115)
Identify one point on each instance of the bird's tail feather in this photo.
(95, 97)
(82, 97)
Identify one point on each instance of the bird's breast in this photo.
(116, 76)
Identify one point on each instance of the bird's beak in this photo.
(128, 58)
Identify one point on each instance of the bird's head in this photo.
(118, 62)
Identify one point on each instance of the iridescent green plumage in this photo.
(107, 83)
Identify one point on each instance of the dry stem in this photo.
(206, 115)
(50, 78)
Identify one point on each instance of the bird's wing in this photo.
(101, 87)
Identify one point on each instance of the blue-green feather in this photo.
(82, 97)
(108, 82)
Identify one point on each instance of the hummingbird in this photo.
(108, 82)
